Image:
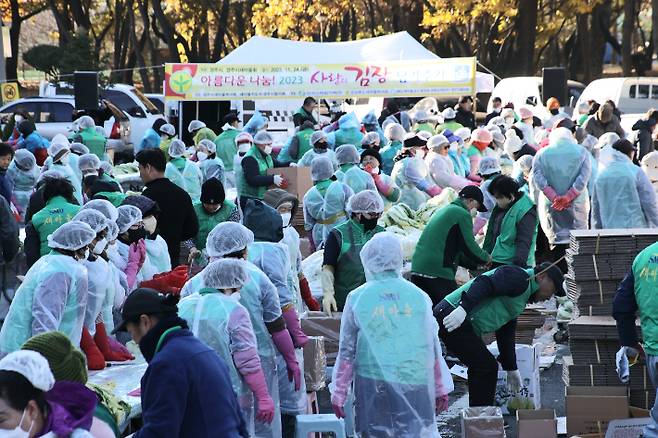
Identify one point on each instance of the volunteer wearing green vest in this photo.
(200, 131)
(305, 112)
(59, 209)
(342, 271)
(213, 209)
(490, 303)
(254, 180)
(390, 349)
(446, 242)
(53, 295)
(424, 122)
(395, 133)
(636, 294)
(512, 232)
(167, 135)
(91, 138)
(449, 122)
(227, 148)
(300, 143)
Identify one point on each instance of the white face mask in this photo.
(235, 296)
(286, 218)
(268, 150)
(420, 153)
(17, 432)
(150, 223)
(244, 148)
(18, 119)
(100, 246)
(202, 156)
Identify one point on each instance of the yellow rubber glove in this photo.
(328, 293)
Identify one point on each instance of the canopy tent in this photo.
(394, 47)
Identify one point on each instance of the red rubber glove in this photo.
(560, 203)
(307, 296)
(339, 411)
(95, 360)
(550, 193)
(284, 184)
(103, 342)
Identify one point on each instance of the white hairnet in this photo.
(589, 142)
(382, 253)
(560, 134)
(263, 137)
(394, 131)
(95, 219)
(496, 121)
(489, 165)
(25, 159)
(85, 122)
(225, 274)
(317, 136)
(463, 133)
(50, 174)
(244, 137)
(347, 154)
(448, 113)
(370, 138)
(512, 142)
(424, 135)
(367, 201)
(210, 146)
(103, 206)
(541, 135)
(79, 148)
(195, 125)
(58, 144)
(176, 148)
(650, 165)
(583, 108)
(106, 167)
(31, 365)
(128, 215)
(437, 141)
(72, 236)
(168, 129)
(607, 139)
(112, 231)
(525, 162)
(89, 162)
(227, 238)
(321, 168)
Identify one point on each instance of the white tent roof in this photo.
(394, 47)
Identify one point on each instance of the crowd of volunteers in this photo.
(210, 286)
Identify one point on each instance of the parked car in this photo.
(527, 91)
(631, 95)
(54, 115)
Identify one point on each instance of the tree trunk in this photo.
(600, 27)
(627, 30)
(654, 24)
(526, 25)
(137, 50)
(168, 31)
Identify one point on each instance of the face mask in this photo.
(17, 432)
(100, 246)
(497, 110)
(368, 224)
(202, 156)
(150, 223)
(244, 148)
(555, 112)
(321, 145)
(18, 119)
(268, 150)
(135, 235)
(420, 153)
(286, 218)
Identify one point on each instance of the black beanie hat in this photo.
(372, 153)
(212, 192)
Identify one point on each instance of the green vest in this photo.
(503, 249)
(116, 198)
(349, 271)
(226, 148)
(645, 272)
(164, 146)
(263, 164)
(427, 127)
(56, 213)
(304, 139)
(208, 221)
(493, 313)
(94, 141)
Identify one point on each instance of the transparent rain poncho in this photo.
(562, 165)
(274, 261)
(442, 171)
(358, 180)
(623, 196)
(189, 178)
(311, 155)
(412, 176)
(52, 297)
(256, 123)
(24, 173)
(325, 208)
(66, 171)
(348, 132)
(371, 123)
(157, 259)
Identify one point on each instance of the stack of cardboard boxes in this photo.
(598, 260)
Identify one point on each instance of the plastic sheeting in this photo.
(101, 287)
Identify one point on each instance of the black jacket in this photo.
(8, 232)
(644, 140)
(177, 220)
(466, 119)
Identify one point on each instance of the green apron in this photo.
(264, 163)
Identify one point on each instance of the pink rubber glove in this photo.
(433, 191)
(141, 246)
(440, 392)
(299, 339)
(342, 380)
(550, 193)
(441, 403)
(283, 343)
(478, 224)
(133, 265)
(256, 382)
(339, 411)
(560, 203)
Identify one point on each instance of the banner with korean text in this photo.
(441, 77)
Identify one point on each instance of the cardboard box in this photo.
(315, 364)
(321, 324)
(527, 361)
(589, 409)
(299, 179)
(537, 424)
(482, 422)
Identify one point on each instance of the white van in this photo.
(631, 95)
(527, 91)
